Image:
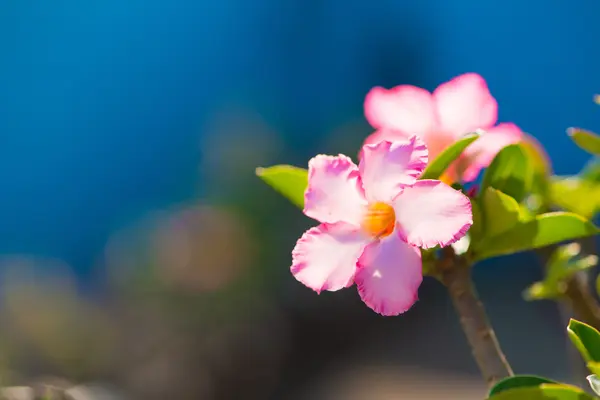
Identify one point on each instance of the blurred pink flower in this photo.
(455, 108)
(373, 217)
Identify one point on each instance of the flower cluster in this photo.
(375, 217)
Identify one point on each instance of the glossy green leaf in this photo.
(511, 172)
(594, 368)
(438, 166)
(545, 229)
(588, 141)
(594, 382)
(581, 196)
(545, 391)
(500, 211)
(586, 338)
(289, 181)
(518, 381)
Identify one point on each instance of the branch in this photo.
(455, 274)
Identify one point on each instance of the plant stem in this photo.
(454, 272)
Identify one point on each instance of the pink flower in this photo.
(372, 218)
(455, 108)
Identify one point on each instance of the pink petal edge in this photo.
(465, 104)
(480, 154)
(334, 192)
(407, 108)
(431, 213)
(389, 276)
(387, 167)
(326, 256)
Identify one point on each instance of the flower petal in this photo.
(389, 276)
(391, 135)
(405, 107)
(386, 167)
(480, 154)
(431, 213)
(465, 104)
(325, 257)
(334, 190)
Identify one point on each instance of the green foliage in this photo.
(576, 194)
(477, 229)
(289, 181)
(586, 140)
(587, 340)
(564, 262)
(543, 230)
(440, 164)
(546, 391)
(591, 170)
(518, 381)
(501, 212)
(511, 172)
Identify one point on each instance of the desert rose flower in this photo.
(374, 217)
(455, 108)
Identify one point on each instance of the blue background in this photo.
(102, 102)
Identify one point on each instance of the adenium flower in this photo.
(373, 217)
(455, 108)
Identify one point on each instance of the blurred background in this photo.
(140, 256)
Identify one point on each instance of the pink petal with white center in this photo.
(334, 192)
(480, 154)
(389, 276)
(387, 167)
(405, 107)
(465, 104)
(431, 213)
(326, 256)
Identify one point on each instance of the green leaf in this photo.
(476, 230)
(438, 166)
(536, 154)
(543, 230)
(594, 367)
(581, 196)
(588, 141)
(511, 172)
(289, 181)
(564, 262)
(591, 170)
(586, 339)
(500, 211)
(545, 391)
(594, 382)
(518, 381)
(541, 291)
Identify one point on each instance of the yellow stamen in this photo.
(380, 220)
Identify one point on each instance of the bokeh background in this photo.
(139, 252)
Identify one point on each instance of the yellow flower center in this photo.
(379, 220)
(447, 178)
